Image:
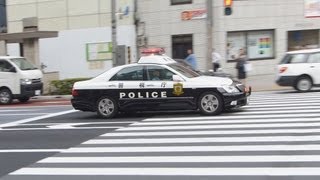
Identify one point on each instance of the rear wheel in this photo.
(210, 103)
(5, 96)
(24, 99)
(107, 107)
(303, 84)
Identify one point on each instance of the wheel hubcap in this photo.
(4, 97)
(304, 85)
(106, 107)
(209, 103)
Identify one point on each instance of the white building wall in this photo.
(163, 20)
(79, 22)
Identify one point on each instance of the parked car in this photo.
(300, 69)
(19, 79)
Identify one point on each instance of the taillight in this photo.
(283, 69)
(75, 92)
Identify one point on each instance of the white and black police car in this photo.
(157, 82)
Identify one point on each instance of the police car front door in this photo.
(168, 95)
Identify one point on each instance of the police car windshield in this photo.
(23, 64)
(184, 70)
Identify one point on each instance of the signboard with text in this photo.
(311, 8)
(194, 14)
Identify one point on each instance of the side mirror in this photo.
(177, 78)
(12, 69)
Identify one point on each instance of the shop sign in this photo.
(311, 8)
(194, 14)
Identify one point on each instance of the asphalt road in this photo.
(276, 137)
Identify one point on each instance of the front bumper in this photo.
(30, 90)
(239, 99)
(286, 80)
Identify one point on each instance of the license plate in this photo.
(37, 92)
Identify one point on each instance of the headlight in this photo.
(231, 89)
(25, 81)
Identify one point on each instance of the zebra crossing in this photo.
(277, 136)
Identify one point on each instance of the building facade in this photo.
(266, 29)
(83, 47)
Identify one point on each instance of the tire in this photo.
(5, 96)
(303, 84)
(24, 99)
(210, 103)
(107, 107)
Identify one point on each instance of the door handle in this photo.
(150, 85)
(112, 85)
(311, 66)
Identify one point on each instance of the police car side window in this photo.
(314, 58)
(157, 73)
(129, 74)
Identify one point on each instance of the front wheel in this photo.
(303, 84)
(210, 103)
(5, 96)
(107, 107)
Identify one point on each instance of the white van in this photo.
(19, 79)
(300, 69)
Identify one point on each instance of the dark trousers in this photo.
(216, 66)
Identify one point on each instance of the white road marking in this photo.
(281, 105)
(309, 115)
(205, 140)
(182, 159)
(198, 122)
(61, 127)
(194, 148)
(29, 150)
(238, 132)
(24, 114)
(268, 171)
(36, 118)
(218, 126)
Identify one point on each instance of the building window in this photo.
(258, 44)
(3, 17)
(180, 45)
(306, 39)
(176, 2)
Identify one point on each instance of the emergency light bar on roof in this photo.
(156, 59)
(152, 51)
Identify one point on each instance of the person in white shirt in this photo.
(216, 60)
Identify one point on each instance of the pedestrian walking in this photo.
(240, 66)
(191, 59)
(216, 60)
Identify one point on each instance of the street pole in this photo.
(209, 34)
(114, 32)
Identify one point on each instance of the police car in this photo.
(157, 82)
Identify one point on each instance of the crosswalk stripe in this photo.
(281, 105)
(205, 140)
(281, 123)
(217, 126)
(242, 121)
(229, 132)
(180, 159)
(195, 148)
(194, 171)
(226, 117)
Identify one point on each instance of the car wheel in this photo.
(107, 107)
(303, 84)
(5, 96)
(210, 103)
(24, 99)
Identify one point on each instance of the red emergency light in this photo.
(152, 51)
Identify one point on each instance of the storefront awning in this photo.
(19, 37)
